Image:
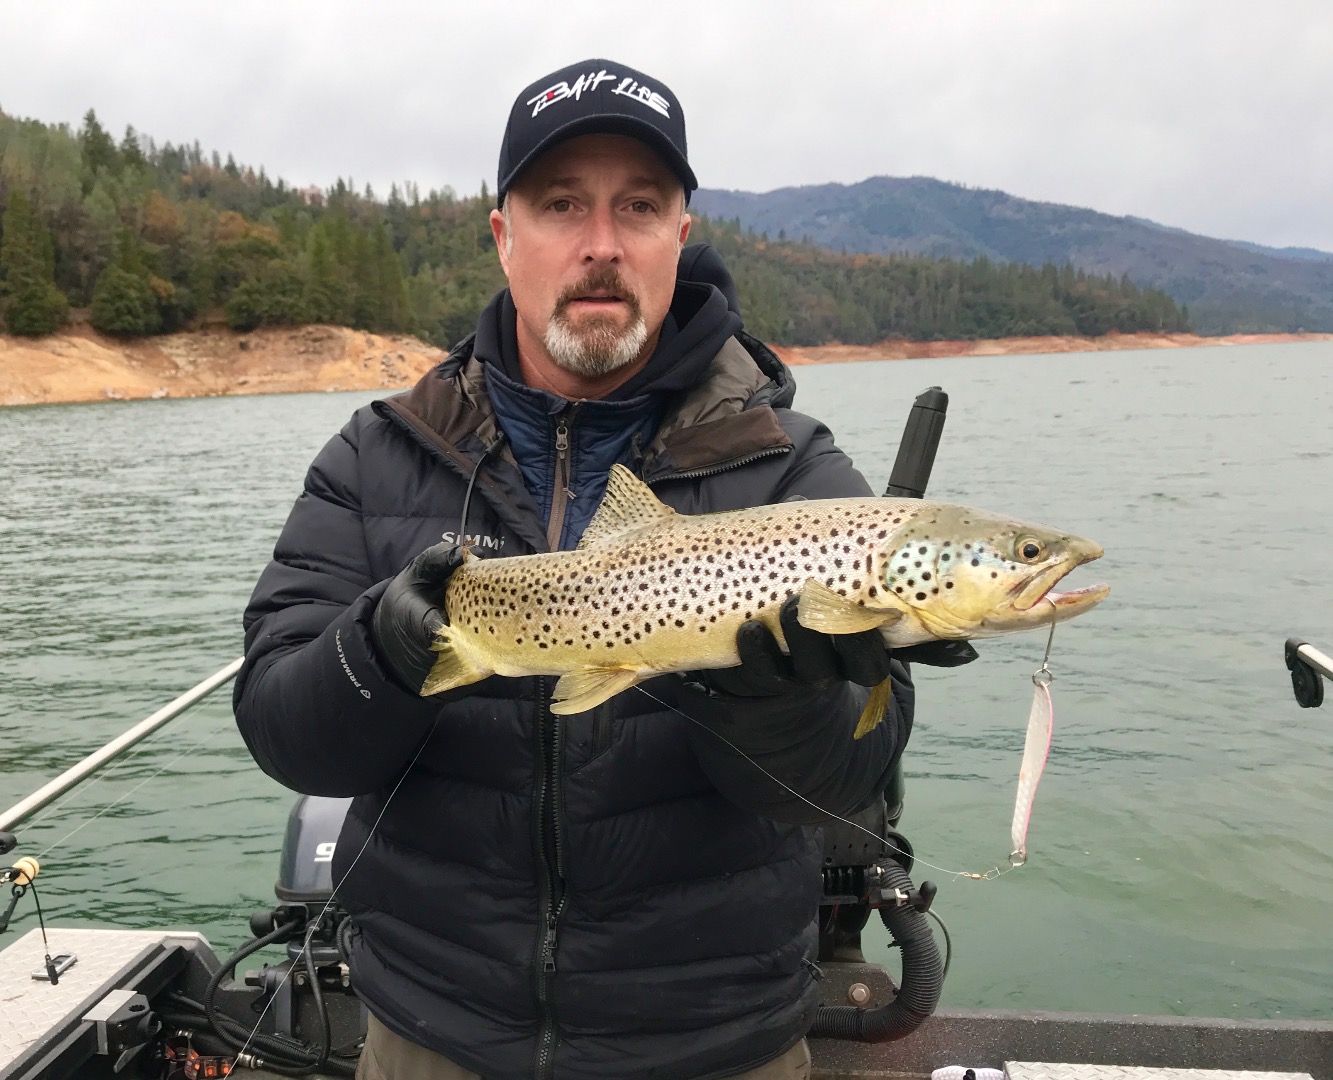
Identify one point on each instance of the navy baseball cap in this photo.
(593, 97)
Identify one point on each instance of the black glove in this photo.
(937, 653)
(818, 660)
(411, 611)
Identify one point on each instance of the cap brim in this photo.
(608, 124)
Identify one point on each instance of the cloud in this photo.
(1211, 115)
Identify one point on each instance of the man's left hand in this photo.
(818, 660)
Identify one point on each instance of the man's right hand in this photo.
(410, 613)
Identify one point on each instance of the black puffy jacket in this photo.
(610, 894)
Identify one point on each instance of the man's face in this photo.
(594, 232)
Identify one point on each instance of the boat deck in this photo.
(34, 1014)
(40, 1024)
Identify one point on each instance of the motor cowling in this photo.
(305, 868)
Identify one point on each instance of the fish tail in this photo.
(453, 667)
(876, 706)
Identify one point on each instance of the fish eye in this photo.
(1030, 549)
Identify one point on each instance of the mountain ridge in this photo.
(1230, 286)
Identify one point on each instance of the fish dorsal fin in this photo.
(628, 506)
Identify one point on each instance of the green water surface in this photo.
(1181, 845)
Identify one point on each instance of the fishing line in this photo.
(993, 872)
(116, 802)
(83, 789)
(813, 805)
(305, 945)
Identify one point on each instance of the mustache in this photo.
(605, 280)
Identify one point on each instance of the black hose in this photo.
(321, 1010)
(292, 1062)
(278, 1051)
(923, 978)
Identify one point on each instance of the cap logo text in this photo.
(627, 87)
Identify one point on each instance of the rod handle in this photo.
(920, 441)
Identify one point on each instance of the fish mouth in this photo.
(1030, 597)
(1076, 601)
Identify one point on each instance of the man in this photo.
(624, 892)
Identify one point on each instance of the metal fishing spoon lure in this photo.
(1036, 748)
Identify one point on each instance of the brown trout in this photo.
(650, 591)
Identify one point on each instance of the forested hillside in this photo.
(1229, 287)
(149, 239)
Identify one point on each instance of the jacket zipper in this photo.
(713, 470)
(560, 496)
(550, 847)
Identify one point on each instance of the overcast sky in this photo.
(1211, 115)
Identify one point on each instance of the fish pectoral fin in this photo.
(824, 610)
(876, 706)
(628, 506)
(586, 688)
(452, 668)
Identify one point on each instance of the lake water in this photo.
(1182, 844)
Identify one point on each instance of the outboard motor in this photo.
(310, 1017)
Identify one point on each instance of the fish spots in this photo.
(920, 596)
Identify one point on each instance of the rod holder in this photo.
(1307, 664)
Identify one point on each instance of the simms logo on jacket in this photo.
(627, 87)
(473, 540)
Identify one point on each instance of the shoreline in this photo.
(80, 365)
(797, 355)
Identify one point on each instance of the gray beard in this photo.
(598, 349)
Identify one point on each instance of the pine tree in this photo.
(99, 151)
(33, 304)
(326, 292)
(131, 153)
(124, 304)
